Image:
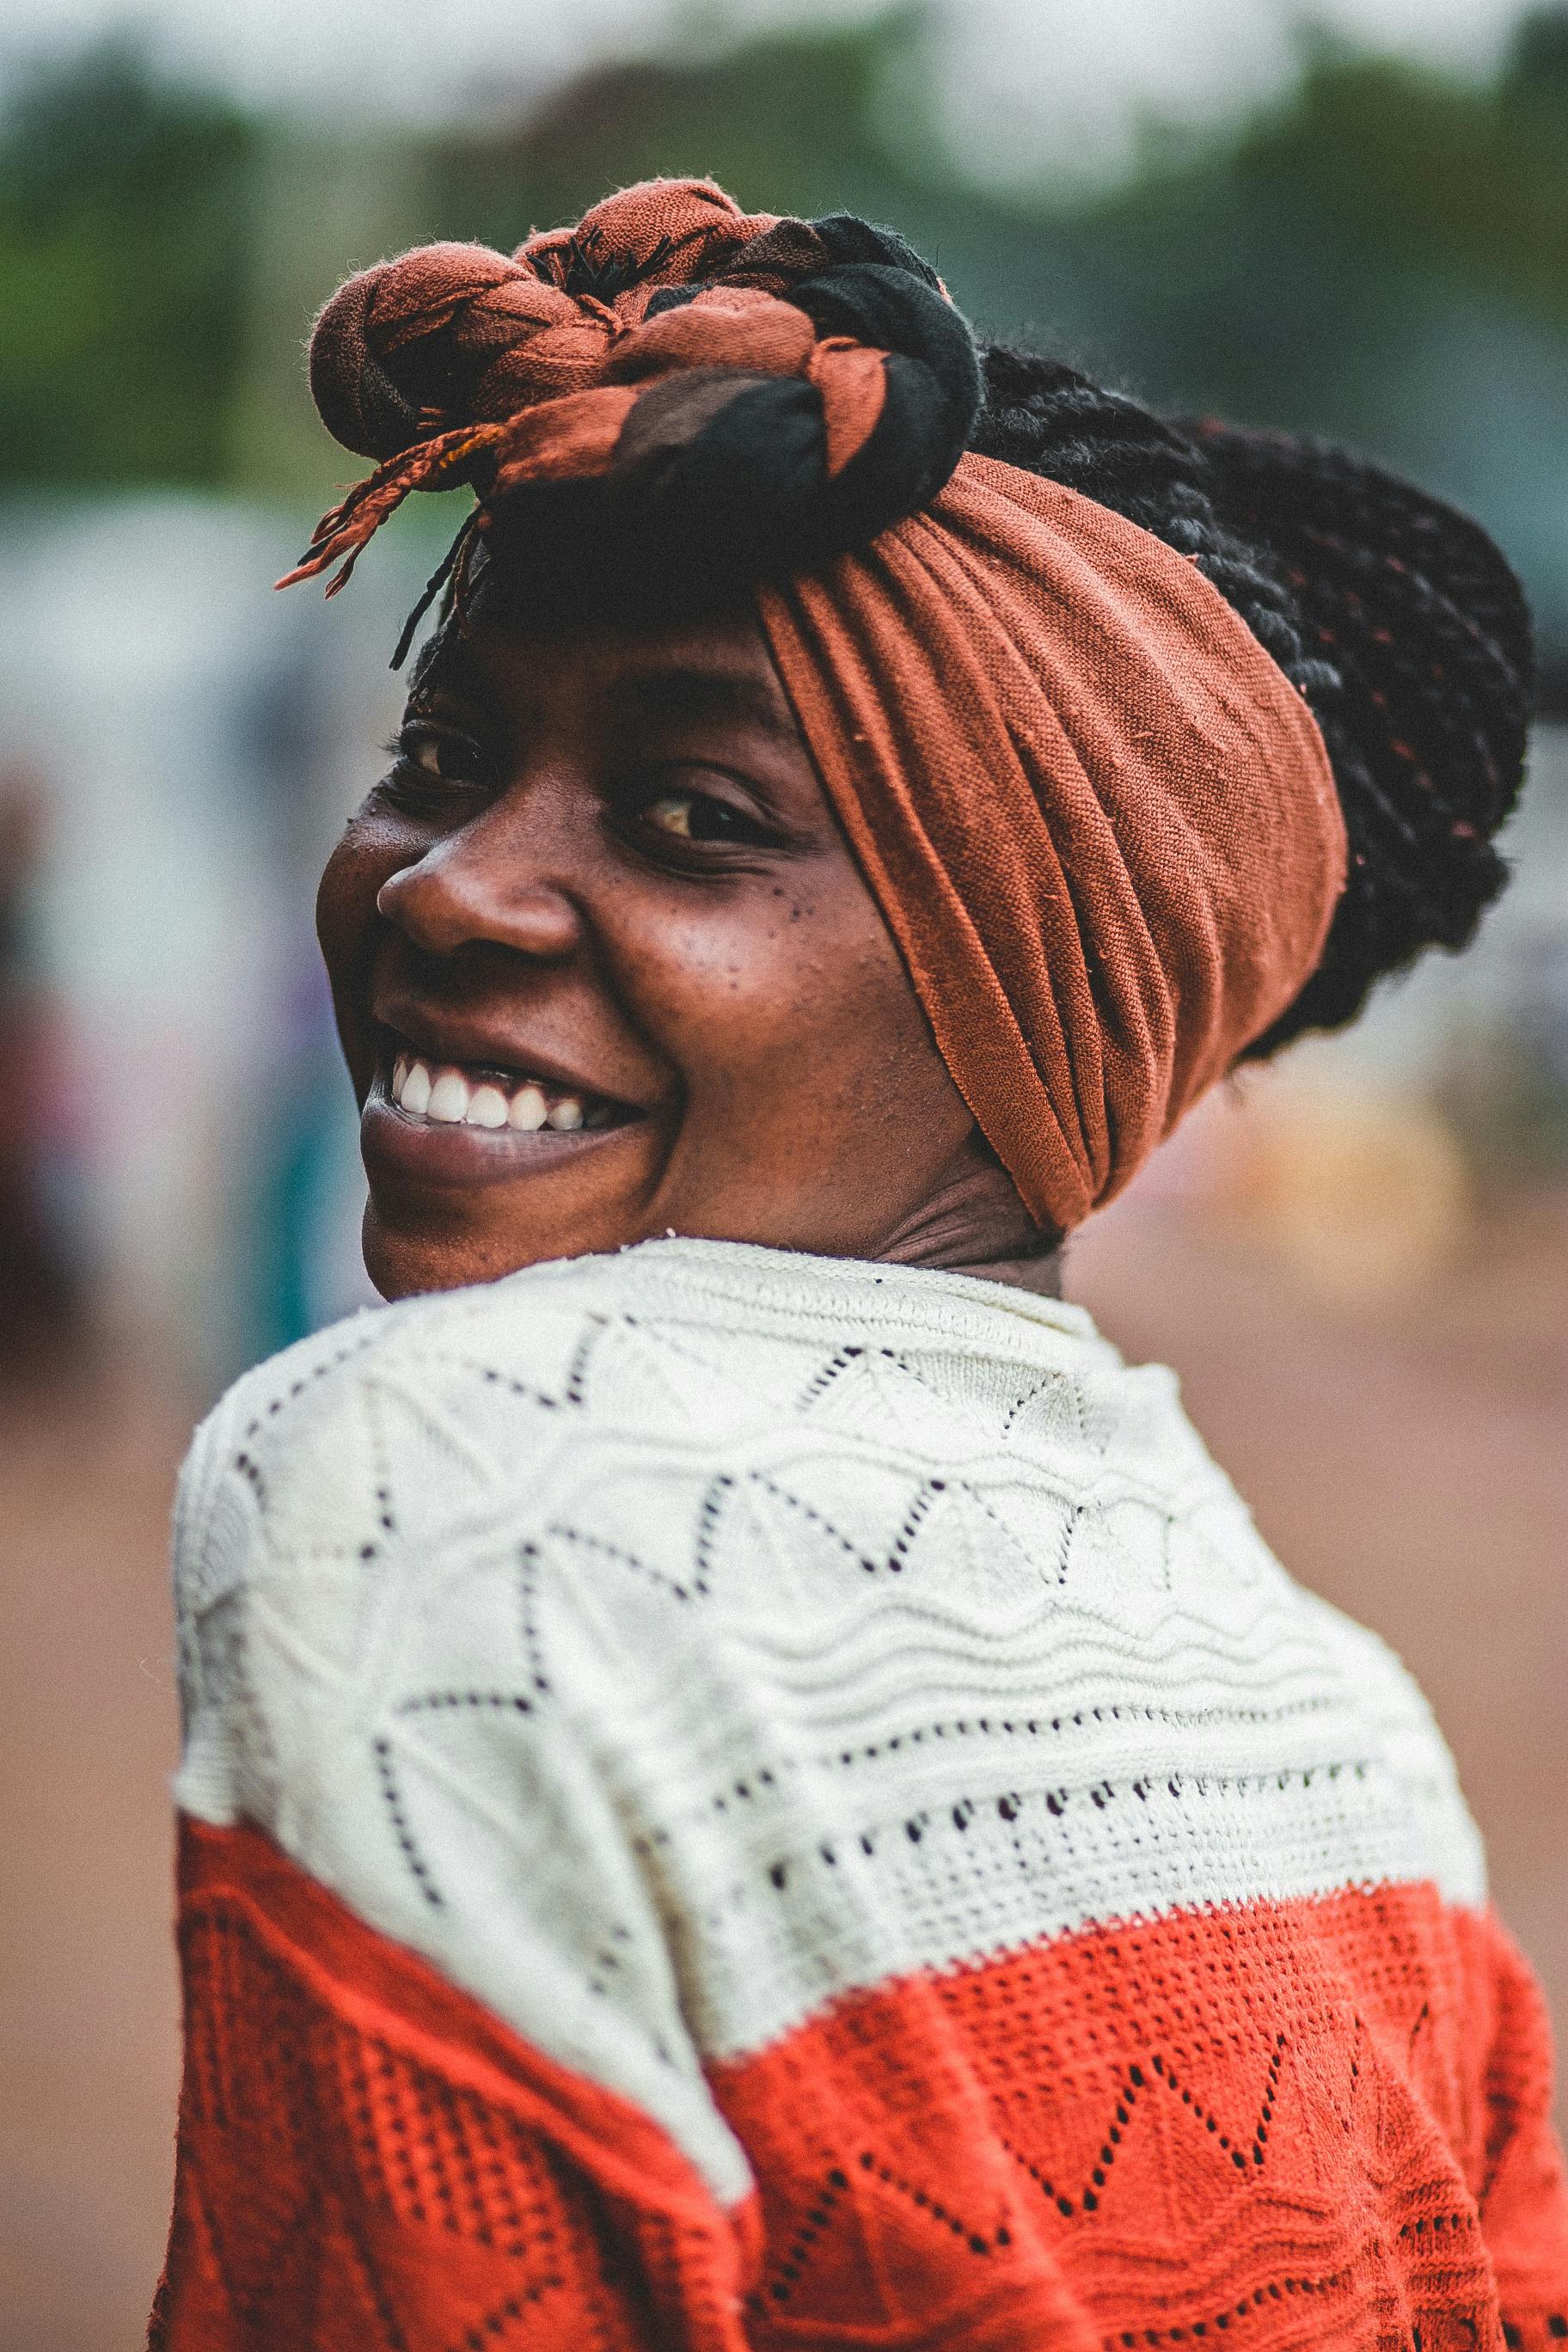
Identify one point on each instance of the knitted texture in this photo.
(736, 1800)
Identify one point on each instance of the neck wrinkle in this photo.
(1042, 1274)
(976, 1224)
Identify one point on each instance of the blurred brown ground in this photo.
(1404, 1453)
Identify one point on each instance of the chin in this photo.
(452, 1204)
(401, 1265)
(404, 1260)
(407, 1256)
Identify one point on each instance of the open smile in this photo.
(468, 1094)
(451, 1121)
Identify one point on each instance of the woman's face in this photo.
(605, 969)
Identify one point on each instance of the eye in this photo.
(672, 813)
(429, 762)
(682, 815)
(445, 759)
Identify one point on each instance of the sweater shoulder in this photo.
(854, 1623)
(391, 1668)
(440, 1403)
(625, 1474)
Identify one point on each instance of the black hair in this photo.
(1393, 615)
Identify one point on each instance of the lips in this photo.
(443, 1117)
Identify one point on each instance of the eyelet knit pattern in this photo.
(734, 1799)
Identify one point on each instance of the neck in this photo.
(1041, 1274)
(976, 1224)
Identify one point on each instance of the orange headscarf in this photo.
(1101, 822)
(1097, 818)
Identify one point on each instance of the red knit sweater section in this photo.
(1315, 2123)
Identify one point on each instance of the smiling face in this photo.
(605, 968)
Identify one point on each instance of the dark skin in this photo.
(603, 862)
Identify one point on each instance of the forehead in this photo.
(715, 670)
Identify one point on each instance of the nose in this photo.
(486, 886)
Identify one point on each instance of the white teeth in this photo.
(488, 1108)
(445, 1095)
(449, 1099)
(529, 1109)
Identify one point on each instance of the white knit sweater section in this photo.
(663, 1644)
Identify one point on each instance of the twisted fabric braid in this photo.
(1395, 616)
(727, 388)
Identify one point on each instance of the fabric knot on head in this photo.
(768, 390)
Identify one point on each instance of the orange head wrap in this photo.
(1097, 818)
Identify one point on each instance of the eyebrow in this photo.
(453, 672)
(687, 695)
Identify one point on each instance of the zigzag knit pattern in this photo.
(734, 1800)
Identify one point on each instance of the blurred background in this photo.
(1355, 223)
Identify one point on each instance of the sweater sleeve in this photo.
(368, 2156)
(1523, 2195)
(437, 2089)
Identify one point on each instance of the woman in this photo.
(746, 1783)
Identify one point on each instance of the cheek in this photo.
(345, 896)
(346, 923)
(793, 1021)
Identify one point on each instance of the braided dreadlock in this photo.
(1396, 617)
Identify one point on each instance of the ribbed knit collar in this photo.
(750, 1272)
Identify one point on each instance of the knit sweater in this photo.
(736, 1800)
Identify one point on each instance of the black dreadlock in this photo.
(1395, 616)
